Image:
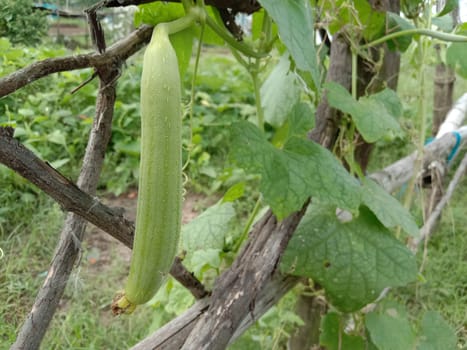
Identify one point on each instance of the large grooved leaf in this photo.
(279, 93)
(388, 209)
(353, 261)
(372, 115)
(208, 230)
(296, 29)
(291, 175)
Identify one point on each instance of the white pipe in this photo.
(455, 117)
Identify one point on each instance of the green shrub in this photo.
(21, 23)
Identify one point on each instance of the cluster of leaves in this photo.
(21, 23)
(389, 328)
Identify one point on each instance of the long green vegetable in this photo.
(158, 217)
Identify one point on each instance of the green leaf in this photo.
(234, 192)
(444, 23)
(353, 261)
(396, 24)
(294, 20)
(204, 260)
(436, 333)
(291, 175)
(301, 120)
(279, 93)
(390, 101)
(373, 21)
(331, 329)
(373, 115)
(388, 209)
(455, 56)
(449, 5)
(158, 12)
(390, 330)
(257, 25)
(56, 164)
(208, 230)
(183, 45)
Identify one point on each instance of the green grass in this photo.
(83, 320)
(445, 270)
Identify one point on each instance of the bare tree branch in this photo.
(69, 246)
(430, 224)
(173, 334)
(237, 290)
(398, 173)
(20, 159)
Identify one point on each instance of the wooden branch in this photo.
(237, 290)
(428, 228)
(114, 55)
(398, 173)
(173, 334)
(69, 246)
(20, 159)
(111, 220)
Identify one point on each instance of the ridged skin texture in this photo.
(158, 217)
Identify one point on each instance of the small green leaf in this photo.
(331, 330)
(279, 93)
(158, 12)
(396, 24)
(353, 261)
(294, 20)
(234, 192)
(390, 330)
(444, 23)
(257, 25)
(58, 137)
(56, 164)
(291, 175)
(388, 209)
(372, 115)
(455, 56)
(203, 260)
(301, 120)
(436, 333)
(449, 5)
(373, 21)
(183, 45)
(208, 230)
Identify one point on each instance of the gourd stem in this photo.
(243, 48)
(417, 31)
